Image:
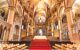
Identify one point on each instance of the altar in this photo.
(40, 37)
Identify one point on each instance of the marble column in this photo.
(68, 13)
(59, 28)
(10, 20)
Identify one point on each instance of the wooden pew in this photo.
(67, 46)
(76, 46)
(57, 47)
(8, 46)
(2, 47)
(22, 47)
(13, 47)
(63, 47)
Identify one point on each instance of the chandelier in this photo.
(40, 19)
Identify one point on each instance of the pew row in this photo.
(13, 46)
(66, 46)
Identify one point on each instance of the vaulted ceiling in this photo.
(39, 10)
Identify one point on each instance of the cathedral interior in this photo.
(39, 25)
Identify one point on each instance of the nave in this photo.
(39, 24)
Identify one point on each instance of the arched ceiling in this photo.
(76, 6)
(43, 8)
(4, 5)
(37, 8)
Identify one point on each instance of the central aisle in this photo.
(40, 43)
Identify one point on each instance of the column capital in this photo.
(11, 7)
(12, 4)
(68, 9)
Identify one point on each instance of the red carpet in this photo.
(40, 44)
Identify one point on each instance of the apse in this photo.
(40, 19)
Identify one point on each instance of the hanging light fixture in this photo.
(41, 19)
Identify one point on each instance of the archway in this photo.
(16, 35)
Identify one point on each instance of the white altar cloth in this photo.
(40, 37)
